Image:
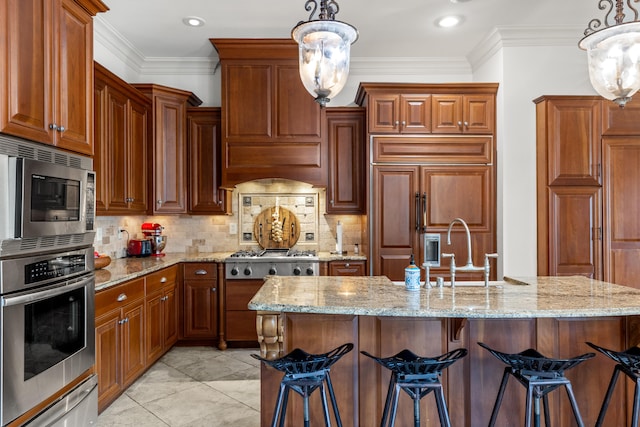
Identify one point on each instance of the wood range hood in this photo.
(271, 126)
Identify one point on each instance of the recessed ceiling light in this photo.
(449, 21)
(459, 1)
(193, 21)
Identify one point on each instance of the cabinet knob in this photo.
(61, 129)
(347, 265)
(213, 289)
(122, 297)
(396, 123)
(159, 202)
(163, 280)
(459, 124)
(404, 123)
(466, 124)
(53, 126)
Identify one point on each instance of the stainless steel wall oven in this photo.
(47, 323)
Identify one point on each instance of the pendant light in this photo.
(614, 51)
(324, 50)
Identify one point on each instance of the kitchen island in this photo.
(555, 315)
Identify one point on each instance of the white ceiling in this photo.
(387, 28)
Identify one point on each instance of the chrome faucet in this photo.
(469, 266)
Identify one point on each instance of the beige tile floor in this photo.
(192, 386)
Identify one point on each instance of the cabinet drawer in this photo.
(439, 149)
(119, 295)
(346, 268)
(200, 271)
(159, 279)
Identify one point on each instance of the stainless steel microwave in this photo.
(44, 205)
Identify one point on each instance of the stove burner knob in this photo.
(234, 271)
(297, 271)
(247, 271)
(273, 270)
(309, 271)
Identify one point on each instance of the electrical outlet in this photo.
(121, 230)
(233, 228)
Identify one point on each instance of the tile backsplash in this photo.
(229, 233)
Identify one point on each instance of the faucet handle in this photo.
(443, 255)
(491, 255)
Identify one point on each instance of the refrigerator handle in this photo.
(417, 207)
(424, 212)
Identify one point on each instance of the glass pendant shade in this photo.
(614, 61)
(324, 51)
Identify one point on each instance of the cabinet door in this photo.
(155, 326)
(394, 216)
(170, 316)
(346, 190)
(117, 169)
(446, 113)
(133, 338)
(415, 114)
(27, 69)
(108, 357)
(569, 145)
(169, 155)
(137, 158)
(465, 192)
(204, 145)
(621, 157)
(200, 312)
(73, 76)
(574, 233)
(384, 113)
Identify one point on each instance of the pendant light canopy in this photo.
(324, 50)
(614, 51)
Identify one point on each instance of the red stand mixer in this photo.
(153, 231)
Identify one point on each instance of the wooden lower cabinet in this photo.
(162, 312)
(471, 384)
(240, 322)
(120, 343)
(200, 293)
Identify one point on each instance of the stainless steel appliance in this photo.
(47, 324)
(47, 199)
(280, 262)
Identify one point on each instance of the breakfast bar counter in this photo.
(555, 315)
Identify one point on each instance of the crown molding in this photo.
(106, 35)
(511, 36)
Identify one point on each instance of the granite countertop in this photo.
(574, 296)
(123, 269)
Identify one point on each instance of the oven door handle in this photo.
(47, 293)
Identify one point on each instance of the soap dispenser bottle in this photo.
(412, 276)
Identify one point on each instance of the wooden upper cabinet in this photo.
(568, 134)
(390, 113)
(169, 142)
(346, 135)
(47, 88)
(271, 126)
(463, 113)
(621, 121)
(204, 146)
(122, 119)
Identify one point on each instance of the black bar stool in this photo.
(540, 375)
(628, 363)
(417, 376)
(304, 373)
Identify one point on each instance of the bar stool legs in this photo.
(628, 362)
(304, 373)
(540, 375)
(417, 376)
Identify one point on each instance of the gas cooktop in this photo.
(273, 253)
(249, 264)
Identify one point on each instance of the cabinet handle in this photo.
(417, 208)
(61, 129)
(213, 289)
(424, 212)
(163, 280)
(53, 126)
(123, 321)
(164, 298)
(201, 272)
(122, 297)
